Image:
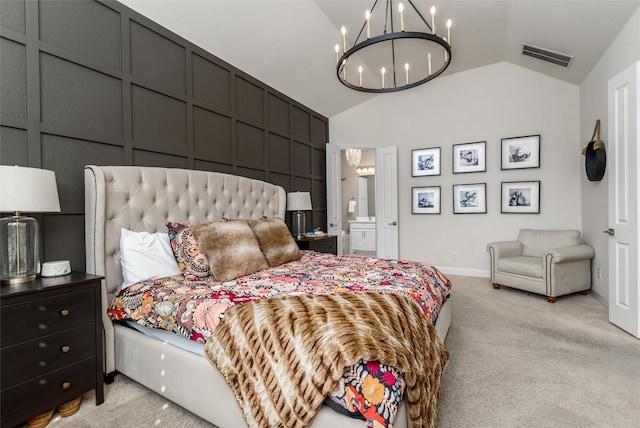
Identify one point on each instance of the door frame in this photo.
(334, 183)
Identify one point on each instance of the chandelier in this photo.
(353, 156)
(393, 60)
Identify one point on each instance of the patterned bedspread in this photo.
(194, 309)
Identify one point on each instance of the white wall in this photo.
(623, 52)
(488, 103)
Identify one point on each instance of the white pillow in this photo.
(146, 255)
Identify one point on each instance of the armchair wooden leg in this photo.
(551, 299)
(496, 286)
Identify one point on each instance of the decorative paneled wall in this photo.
(93, 82)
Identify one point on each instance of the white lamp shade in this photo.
(29, 190)
(298, 201)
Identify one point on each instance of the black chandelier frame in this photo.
(393, 36)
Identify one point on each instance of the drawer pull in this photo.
(66, 385)
(65, 312)
(65, 348)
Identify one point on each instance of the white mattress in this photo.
(442, 326)
(170, 338)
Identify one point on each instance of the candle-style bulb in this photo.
(429, 58)
(406, 72)
(337, 48)
(344, 38)
(367, 16)
(449, 31)
(360, 73)
(383, 71)
(433, 19)
(401, 10)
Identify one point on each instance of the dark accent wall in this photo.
(93, 82)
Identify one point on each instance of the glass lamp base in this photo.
(298, 224)
(19, 261)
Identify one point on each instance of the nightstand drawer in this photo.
(325, 246)
(38, 317)
(36, 395)
(328, 244)
(36, 357)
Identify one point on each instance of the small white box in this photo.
(57, 268)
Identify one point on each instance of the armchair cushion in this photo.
(536, 242)
(529, 266)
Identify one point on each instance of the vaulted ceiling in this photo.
(288, 44)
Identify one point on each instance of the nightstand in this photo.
(328, 244)
(51, 344)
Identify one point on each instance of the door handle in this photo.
(332, 225)
(609, 231)
(395, 223)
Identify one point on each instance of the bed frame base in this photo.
(175, 373)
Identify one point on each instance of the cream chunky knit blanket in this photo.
(282, 356)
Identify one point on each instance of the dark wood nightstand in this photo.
(51, 344)
(328, 244)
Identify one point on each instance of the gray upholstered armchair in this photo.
(548, 262)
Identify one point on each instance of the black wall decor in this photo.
(94, 82)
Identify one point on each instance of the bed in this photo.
(145, 199)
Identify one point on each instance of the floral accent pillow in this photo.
(191, 260)
(371, 391)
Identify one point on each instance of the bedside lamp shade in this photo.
(31, 190)
(298, 202)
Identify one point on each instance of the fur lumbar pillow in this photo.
(231, 248)
(276, 242)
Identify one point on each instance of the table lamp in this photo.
(298, 202)
(31, 190)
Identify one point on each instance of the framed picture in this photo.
(469, 157)
(425, 162)
(470, 198)
(521, 197)
(521, 152)
(425, 200)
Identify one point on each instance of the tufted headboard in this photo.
(145, 198)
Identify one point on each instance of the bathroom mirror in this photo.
(366, 196)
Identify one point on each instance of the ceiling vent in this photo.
(544, 54)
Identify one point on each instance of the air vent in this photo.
(547, 55)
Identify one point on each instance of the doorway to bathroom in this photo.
(362, 207)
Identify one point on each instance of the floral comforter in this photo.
(194, 309)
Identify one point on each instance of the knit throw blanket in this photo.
(282, 356)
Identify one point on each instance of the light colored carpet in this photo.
(516, 361)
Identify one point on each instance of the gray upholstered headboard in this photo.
(145, 198)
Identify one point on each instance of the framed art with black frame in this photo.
(521, 152)
(425, 200)
(469, 157)
(425, 162)
(521, 197)
(470, 198)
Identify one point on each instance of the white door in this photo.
(623, 200)
(334, 219)
(387, 202)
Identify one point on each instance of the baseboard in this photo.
(604, 301)
(481, 273)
